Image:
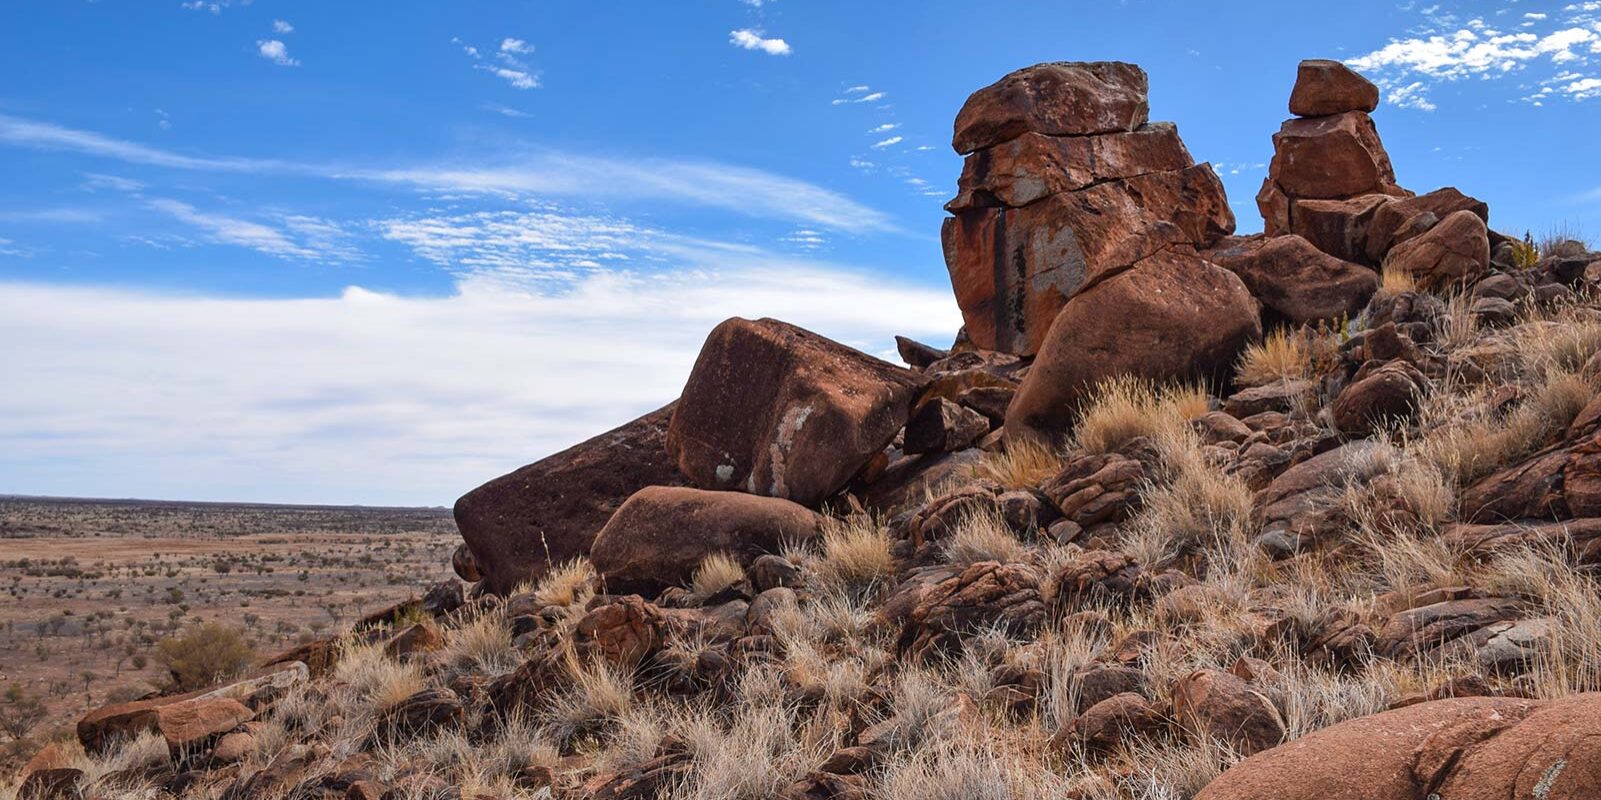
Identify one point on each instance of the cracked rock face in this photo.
(1065, 185)
(773, 409)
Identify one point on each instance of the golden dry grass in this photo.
(1020, 464)
(1282, 355)
(855, 554)
(1124, 408)
(983, 536)
(1394, 282)
(716, 573)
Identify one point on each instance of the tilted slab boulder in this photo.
(659, 537)
(1324, 87)
(1398, 214)
(1338, 227)
(1171, 317)
(1059, 98)
(1454, 252)
(1296, 281)
(518, 525)
(1476, 748)
(776, 410)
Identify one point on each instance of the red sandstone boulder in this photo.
(1385, 396)
(1034, 166)
(1173, 316)
(776, 410)
(1324, 87)
(1475, 748)
(661, 534)
(1012, 270)
(1338, 227)
(1221, 705)
(517, 525)
(1331, 157)
(1456, 251)
(185, 723)
(1296, 281)
(1060, 99)
(1391, 218)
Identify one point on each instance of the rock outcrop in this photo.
(1065, 184)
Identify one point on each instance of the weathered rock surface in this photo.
(516, 526)
(1012, 269)
(776, 410)
(1295, 280)
(1034, 166)
(1464, 749)
(984, 595)
(1173, 317)
(1454, 252)
(1058, 99)
(659, 537)
(1221, 705)
(1324, 87)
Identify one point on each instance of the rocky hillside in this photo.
(1180, 514)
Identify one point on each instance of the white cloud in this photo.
(855, 95)
(506, 111)
(746, 191)
(1407, 68)
(518, 46)
(279, 26)
(886, 127)
(319, 240)
(519, 79)
(376, 398)
(276, 52)
(752, 39)
(893, 140)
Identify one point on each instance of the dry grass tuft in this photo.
(483, 645)
(1394, 282)
(716, 573)
(983, 536)
(570, 584)
(1125, 408)
(1283, 355)
(855, 555)
(1021, 464)
(1194, 508)
(375, 682)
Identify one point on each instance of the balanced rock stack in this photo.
(1065, 185)
(1074, 238)
(1331, 183)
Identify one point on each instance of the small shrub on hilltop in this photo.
(204, 655)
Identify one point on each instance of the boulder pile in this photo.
(1244, 545)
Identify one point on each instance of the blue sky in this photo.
(379, 252)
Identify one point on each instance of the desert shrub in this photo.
(204, 655)
(1525, 254)
(1394, 281)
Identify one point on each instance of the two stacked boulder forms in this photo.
(1083, 243)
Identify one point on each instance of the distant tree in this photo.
(204, 655)
(19, 712)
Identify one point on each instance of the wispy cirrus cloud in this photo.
(742, 190)
(300, 237)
